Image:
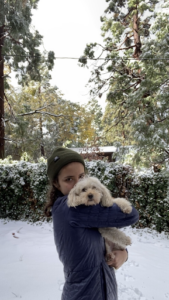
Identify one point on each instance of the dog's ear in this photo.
(106, 199)
(71, 198)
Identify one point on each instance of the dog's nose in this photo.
(90, 196)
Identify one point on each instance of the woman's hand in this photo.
(119, 259)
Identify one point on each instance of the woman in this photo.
(80, 246)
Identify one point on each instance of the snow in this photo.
(30, 268)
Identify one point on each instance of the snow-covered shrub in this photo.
(148, 191)
(23, 188)
(8, 160)
(115, 176)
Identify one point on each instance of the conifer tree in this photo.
(19, 48)
(132, 67)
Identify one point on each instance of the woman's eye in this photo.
(68, 179)
(82, 176)
(84, 190)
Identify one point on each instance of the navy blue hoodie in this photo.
(81, 248)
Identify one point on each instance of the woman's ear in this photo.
(56, 184)
(106, 199)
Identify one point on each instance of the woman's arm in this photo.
(98, 216)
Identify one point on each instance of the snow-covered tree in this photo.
(19, 49)
(132, 66)
(41, 119)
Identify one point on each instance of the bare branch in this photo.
(101, 46)
(166, 151)
(9, 105)
(3, 36)
(39, 112)
(126, 48)
(15, 41)
(100, 55)
(118, 122)
(7, 139)
(126, 38)
(162, 120)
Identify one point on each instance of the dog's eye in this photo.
(84, 190)
(93, 187)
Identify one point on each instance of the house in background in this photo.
(99, 151)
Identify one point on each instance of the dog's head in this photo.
(88, 191)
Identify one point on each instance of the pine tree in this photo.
(19, 48)
(134, 70)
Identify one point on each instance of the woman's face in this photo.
(69, 176)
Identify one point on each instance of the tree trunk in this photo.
(137, 40)
(2, 121)
(42, 150)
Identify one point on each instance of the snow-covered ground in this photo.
(30, 268)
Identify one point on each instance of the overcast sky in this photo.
(67, 26)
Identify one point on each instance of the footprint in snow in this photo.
(127, 278)
(129, 293)
(132, 263)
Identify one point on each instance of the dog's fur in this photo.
(90, 191)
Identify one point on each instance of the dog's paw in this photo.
(124, 205)
(109, 257)
(127, 209)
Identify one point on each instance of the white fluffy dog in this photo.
(90, 191)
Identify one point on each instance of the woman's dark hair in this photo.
(52, 196)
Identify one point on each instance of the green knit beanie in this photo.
(60, 158)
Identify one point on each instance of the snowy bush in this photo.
(147, 191)
(23, 189)
(149, 194)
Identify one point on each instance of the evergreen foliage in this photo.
(115, 131)
(21, 44)
(19, 50)
(134, 70)
(23, 189)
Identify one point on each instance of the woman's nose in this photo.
(76, 181)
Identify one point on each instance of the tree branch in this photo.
(39, 112)
(162, 120)
(126, 48)
(166, 151)
(130, 10)
(7, 139)
(125, 39)
(10, 108)
(118, 122)
(17, 42)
